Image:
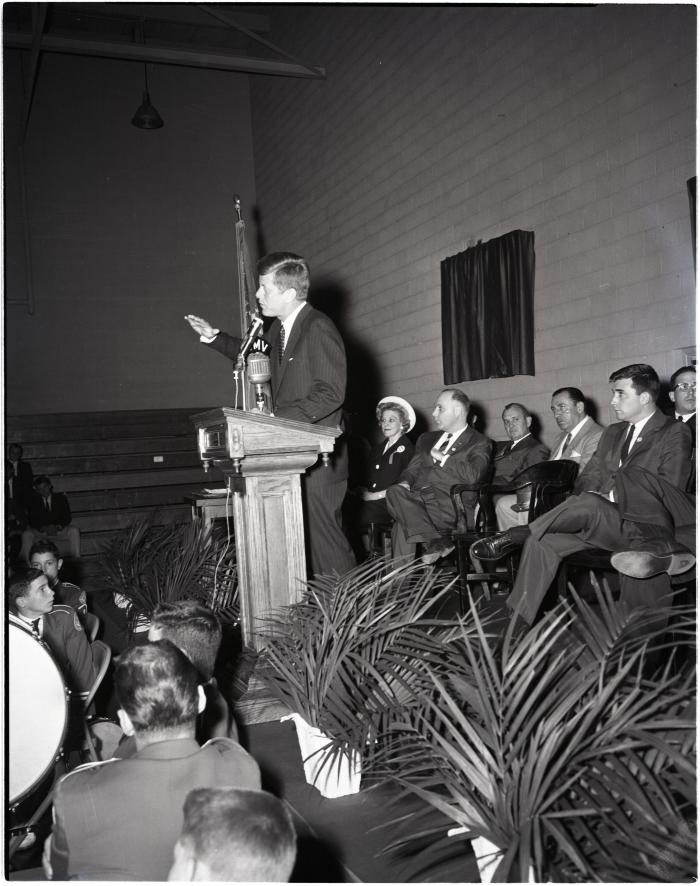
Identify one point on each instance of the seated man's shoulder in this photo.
(71, 594)
(65, 616)
(230, 752)
(87, 776)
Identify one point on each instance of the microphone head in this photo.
(258, 368)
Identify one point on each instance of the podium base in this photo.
(256, 705)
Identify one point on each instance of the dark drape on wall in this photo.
(488, 294)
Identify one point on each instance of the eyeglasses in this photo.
(685, 386)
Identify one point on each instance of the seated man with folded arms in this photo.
(234, 836)
(31, 604)
(645, 439)
(577, 442)
(196, 630)
(420, 502)
(43, 555)
(49, 517)
(119, 819)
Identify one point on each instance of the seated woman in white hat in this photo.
(386, 462)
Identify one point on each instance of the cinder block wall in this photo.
(437, 127)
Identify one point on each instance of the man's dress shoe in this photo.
(494, 547)
(644, 564)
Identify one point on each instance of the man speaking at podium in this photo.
(308, 369)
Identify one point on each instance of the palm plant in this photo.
(555, 746)
(348, 655)
(149, 564)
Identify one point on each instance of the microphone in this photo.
(259, 374)
(256, 325)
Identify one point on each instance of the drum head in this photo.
(38, 714)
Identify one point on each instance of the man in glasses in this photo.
(682, 395)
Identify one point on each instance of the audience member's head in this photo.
(235, 835)
(516, 420)
(29, 594)
(642, 377)
(290, 271)
(193, 627)
(635, 391)
(399, 407)
(451, 410)
(44, 556)
(158, 693)
(43, 486)
(14, 453)
(568, 408)
(682, 390)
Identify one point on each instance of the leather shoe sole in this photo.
(493, 548)
(644, 564)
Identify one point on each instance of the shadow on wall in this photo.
(364, 377)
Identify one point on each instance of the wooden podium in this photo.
(262, 458)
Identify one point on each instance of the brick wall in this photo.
(437, 127)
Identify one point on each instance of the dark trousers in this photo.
(329, 549)
(585, 521)
(649, 500)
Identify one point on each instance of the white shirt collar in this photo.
(685, 417)
(515, 442)
(288, 322)
(578, 427)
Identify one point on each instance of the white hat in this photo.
(399, 401)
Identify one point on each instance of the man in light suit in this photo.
(119, 819)
(643, 438)
(577, 442)
(308, 369)
(420, 503)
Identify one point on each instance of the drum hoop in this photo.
(17, 798)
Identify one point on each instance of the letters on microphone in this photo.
(251, 335)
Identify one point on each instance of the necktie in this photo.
(281, 348)
(35, 628)
(565, 445)
(679, 418)
(445, 443)
(626, 445)
(47, 505)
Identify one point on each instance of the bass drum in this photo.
(38, 713)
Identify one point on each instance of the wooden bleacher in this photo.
(115, 467)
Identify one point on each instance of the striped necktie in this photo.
(565, 445)
(280, 353)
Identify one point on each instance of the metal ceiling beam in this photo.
(236, 25)
(165, 55)
(158, 13)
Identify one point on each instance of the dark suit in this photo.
(589, 520)
(23, 482)
(309, 385)
(510, 459)
(425, 512)
(119, 820)
(58, 514)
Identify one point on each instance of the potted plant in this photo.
(148, 564)
(556, 747)
(343, 660)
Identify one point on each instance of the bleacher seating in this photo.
(115, 467)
